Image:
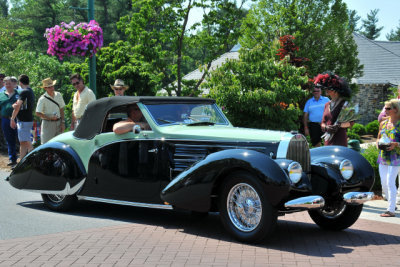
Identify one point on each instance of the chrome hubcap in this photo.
(244, 207)
(333, 213)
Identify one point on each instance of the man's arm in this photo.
(17, 106)
(305, 123)
(122, 127)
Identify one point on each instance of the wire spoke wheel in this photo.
(244, 207)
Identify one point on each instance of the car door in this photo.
(125, 170)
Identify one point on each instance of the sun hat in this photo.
(331, 81)
(119, 84)
(48, 82)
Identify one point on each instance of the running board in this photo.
(126, 203)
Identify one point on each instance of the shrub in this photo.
(371, 154)
(372, 128)
(352, 135)
(358, 129)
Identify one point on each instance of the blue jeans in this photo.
(10, 135)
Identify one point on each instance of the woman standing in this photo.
(389, 159)
(337, 90)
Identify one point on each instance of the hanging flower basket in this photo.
(84, 39)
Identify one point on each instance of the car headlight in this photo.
(295, 172)
(346, 169)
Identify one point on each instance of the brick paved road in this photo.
(166, 238)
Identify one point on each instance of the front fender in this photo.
(51, 168)
(325, 163)
(192, 188)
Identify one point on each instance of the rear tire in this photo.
(245, 211)
(59, 202)
(336, 219)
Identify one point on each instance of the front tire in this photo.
(335, 219)
(59, 202)
(245, 211)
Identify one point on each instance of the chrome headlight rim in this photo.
(295, 172)
(346, 169)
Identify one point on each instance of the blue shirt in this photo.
(315, 108)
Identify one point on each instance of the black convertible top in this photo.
(96, 111)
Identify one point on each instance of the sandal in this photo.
(388, 214)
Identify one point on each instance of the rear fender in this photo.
(52, 168)
(192, 188)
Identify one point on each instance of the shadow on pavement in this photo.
(290, 235)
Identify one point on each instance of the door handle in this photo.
(154, 150)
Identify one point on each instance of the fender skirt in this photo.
(192, 188)
(50, 169)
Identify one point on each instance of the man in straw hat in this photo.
(119, 87)
(50, 108)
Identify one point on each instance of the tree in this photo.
(394, 35)
(319, 26)
(257, 91)
(353, 20)
(3, 8)
(369, 26)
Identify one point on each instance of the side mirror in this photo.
(137, 129)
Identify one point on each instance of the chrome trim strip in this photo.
(309, 202)
(283, 146)
(357, 198)
(66, 191)
(126, 203)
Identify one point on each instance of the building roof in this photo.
(381, 60)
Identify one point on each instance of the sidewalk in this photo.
(164, 238)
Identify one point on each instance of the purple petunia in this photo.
(83, 39)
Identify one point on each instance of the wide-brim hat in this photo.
(331, 81)
(48, 82)
(119, 84)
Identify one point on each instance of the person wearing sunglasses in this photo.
(119, 87)
(313, 115)
(81, 98)
(389, 154)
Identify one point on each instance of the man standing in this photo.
(119, 87)
(23, 109)
(7, 99)
(313, 111)
(50, 108)
(82, 97)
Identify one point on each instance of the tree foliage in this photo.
(259, 92)
(353, 20)
(321, 28)
(394, 35)
(369, 26)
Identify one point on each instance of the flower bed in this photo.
(83, 39)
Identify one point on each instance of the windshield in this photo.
(190, 114)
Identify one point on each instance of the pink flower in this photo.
(84, 39)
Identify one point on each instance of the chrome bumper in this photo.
(309, 202)
(357, 197)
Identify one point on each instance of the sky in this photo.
(388, 15)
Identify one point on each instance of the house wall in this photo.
(370, 99)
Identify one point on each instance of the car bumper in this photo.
(306, 203)
(357, 198)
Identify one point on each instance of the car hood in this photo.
(225, 133)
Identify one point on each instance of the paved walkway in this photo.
(166, 238)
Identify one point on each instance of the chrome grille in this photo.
(299, 151)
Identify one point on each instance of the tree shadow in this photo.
(290, 236)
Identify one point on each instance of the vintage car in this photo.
(191, 158)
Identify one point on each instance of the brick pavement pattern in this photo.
(167, 238)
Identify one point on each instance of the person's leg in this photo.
(383, 170)
(391, 185)
(10, 136)
(24, 137)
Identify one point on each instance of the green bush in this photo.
(371, 154)
(372, 128)
(352, 135)
(358, 129)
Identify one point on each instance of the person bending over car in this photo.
(135, 117)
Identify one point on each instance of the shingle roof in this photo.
(381, 60)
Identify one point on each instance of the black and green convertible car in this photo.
(190, 157)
